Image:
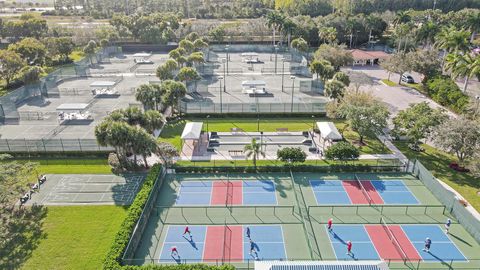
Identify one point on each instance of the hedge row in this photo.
(287, 168)
(114, 256)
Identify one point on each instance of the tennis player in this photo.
(174, 251)
(329, 224)
(349, 248)
(447, 225)
(428, 243)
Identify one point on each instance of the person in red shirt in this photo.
(187, 230)
(349, 248)
(174, 250)
(330, 223)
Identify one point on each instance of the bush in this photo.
(342, 151)
(114, 256)
(291, 154)
(446, 92)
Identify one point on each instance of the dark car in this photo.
(407, 78)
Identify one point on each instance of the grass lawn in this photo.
(73, 166)
(76, 237)
(416, 86)
(389, 83)
(437, 162)
(172, 131)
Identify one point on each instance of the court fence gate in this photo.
(447, 198)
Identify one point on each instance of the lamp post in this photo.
(224, 74)
(227, 47)
(220, 90)
(283, 72)
(293, 88)
(208, 116)
(313, 123)
(276, 52)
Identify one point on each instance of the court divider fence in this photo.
(142, 222)
(446, 197)
(51, 145)
(218, 214)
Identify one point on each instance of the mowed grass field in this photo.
(76, 237)
(172, 131)
(437, 162)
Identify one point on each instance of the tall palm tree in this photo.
(473, 23)
(145, 94)
(174, 92)
(152, 120)
(254, 150)
(452, 40)
(426, 33)
(275, 21)
(401, 17)
(288, 28)
(462, 66)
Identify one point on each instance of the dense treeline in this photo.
(254, 8)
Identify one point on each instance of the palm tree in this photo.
(253, 150)
(275, 21)
(152, 120)
(401, 17)
(323, 69)
(327, 34)
(461, 65)
(145, 94)
(452, 40)
(473, 23)
(196, 58)
(334, 89)
(427, 32)
(288, 28)
(174, 92)
(165, 71)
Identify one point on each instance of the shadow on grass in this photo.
(21, 233)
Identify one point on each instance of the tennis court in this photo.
(287, 222)
(230, 243)
(393, 242)
(74, 189)
(234, 192)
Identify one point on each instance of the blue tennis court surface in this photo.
(268, 242)
(338, 192)
(394, 192)
(235, 192)
(363, 248)
(442, 249)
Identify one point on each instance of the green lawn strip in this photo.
(76, 237)
(437, 162)
(71, 166)
(416, 86)
(172, 131)
(389, 83)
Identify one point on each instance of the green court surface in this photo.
(190, 199)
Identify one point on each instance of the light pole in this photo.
(283, 72)
(293, 88)
(224, 74)
(221, 101)
(227, 47)
(258, 124)
(276, 52)
(208, 116)
(313, 123)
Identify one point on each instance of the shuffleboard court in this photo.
(73, 189)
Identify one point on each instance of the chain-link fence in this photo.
(48, 86)
(206, 106)
(51, 145)
(448, 198)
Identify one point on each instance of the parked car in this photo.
(407, 78)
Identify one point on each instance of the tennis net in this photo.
(227, 240)
(394, 240)
(364, 191)
(229, 194)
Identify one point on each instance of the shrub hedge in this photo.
(445, 91)
(114, 256)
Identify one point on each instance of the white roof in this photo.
(250, 54)
(321, 265)
(142, 54)
(72, 107)
(329, 131)
(253, 83)
(192, 131)
(102, 84)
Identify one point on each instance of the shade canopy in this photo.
(192, 131)
(72, 107)
(102, 84)
(328, 131)
(250, 54)
(257, 83)
(142, 55)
